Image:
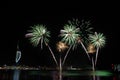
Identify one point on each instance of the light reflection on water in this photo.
(16, 74)
(53, 75)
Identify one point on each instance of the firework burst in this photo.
(38, 34)
(69, 34)
(98, 40)
(85, 28)
(61, 46)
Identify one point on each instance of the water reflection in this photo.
(16, 74)
(54, 75)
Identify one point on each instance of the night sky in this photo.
(15, 24)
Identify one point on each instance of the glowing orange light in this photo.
(61, 46)
(91, 48)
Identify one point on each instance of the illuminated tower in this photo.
(18, 54)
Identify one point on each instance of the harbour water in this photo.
(53, 75)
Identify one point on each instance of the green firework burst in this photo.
(85, 28)
(98, 40)
(69, 34)
(39, 34)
